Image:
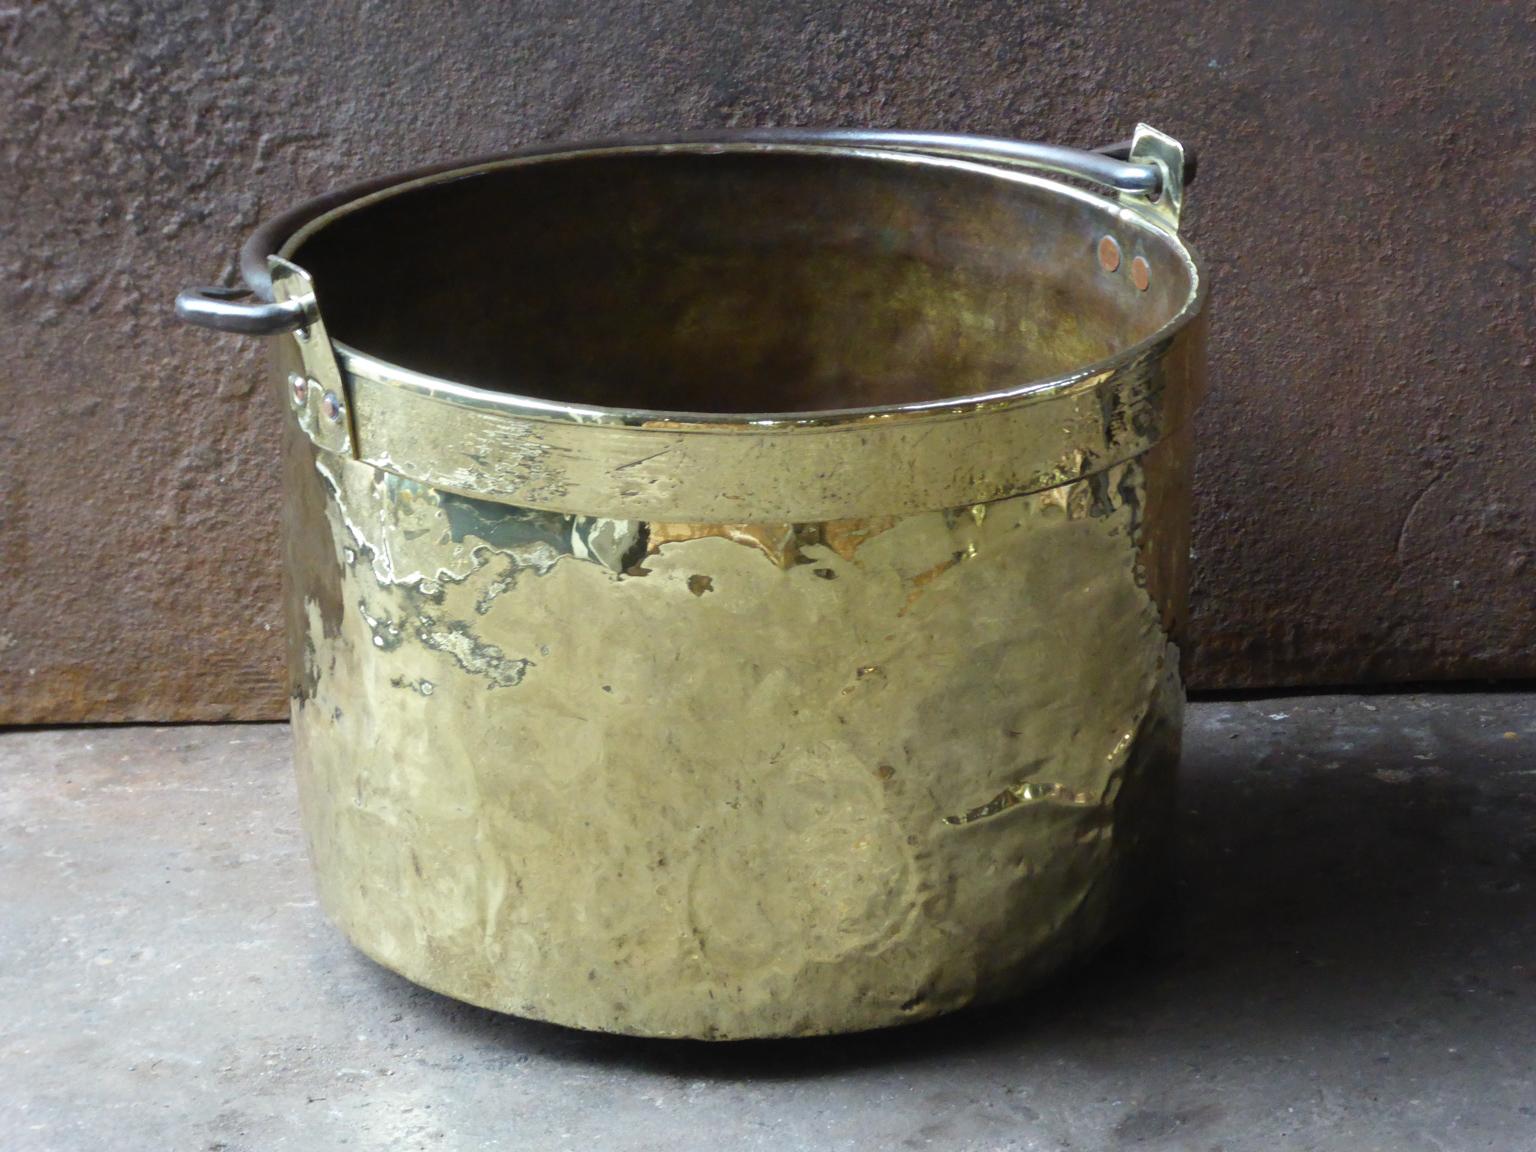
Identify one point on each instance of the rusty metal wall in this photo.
(1368, 472)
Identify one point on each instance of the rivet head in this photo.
(1109, 254)
(298, 385)
(331, 406)
(1141, 273)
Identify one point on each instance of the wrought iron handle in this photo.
(224, 309)
(1121, 150)
(1101, 166)
(1150, 168)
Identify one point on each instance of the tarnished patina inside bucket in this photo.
(734, 588)
(757, 282)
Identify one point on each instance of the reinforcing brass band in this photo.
(874, 465)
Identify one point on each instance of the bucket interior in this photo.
(741, 282)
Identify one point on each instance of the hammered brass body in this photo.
(726, 725)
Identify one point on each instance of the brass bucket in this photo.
(733, 583)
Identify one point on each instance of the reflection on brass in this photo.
(803, 658)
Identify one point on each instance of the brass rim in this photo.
(361, 364)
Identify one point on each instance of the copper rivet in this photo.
(331, 407)
(1109, 254)
(1141, 273)
(300, 387)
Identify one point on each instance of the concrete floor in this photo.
(1350, 963)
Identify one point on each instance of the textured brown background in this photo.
(1368, 470)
